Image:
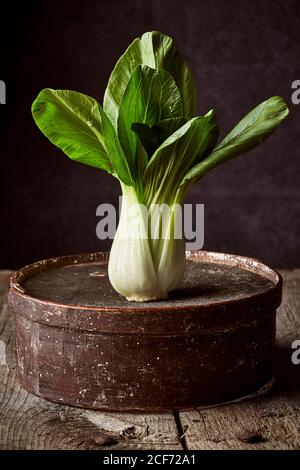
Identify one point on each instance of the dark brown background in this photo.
(241, 52)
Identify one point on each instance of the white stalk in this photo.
(143, 265)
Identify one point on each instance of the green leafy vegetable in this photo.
(147, 136)
(77, 124)
(252, 130)
(152, 137)
(176, 155)
(156, 50)
(150, 96)
(72, 122)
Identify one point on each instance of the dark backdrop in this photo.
(241, 52)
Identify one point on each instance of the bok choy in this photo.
(147, 136)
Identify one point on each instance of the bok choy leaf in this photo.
(251, 131)
(155, 50)
(77, 124)
(150, 96)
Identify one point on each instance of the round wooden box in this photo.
(78, 342)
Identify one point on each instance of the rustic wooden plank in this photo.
(28, 422)
(271, 422)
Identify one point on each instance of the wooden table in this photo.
(271, 422)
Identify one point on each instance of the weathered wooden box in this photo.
(80, 343)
